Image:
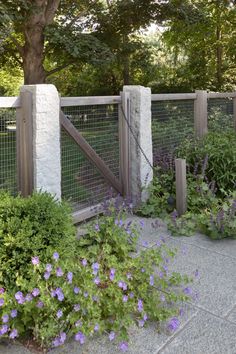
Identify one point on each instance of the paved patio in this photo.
(208, 325)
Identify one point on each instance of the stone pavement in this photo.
(208, 325)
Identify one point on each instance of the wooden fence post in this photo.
(181, 186)
(234, 112)
(124, 139)
(24, 145)
(200, 114)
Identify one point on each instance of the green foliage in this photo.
(28, 227)
(102, 288)
(184, 225)
(161, 196)
(213, 156)
(220, 221)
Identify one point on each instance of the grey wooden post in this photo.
(181, 186)
(124, 139)
(200, 113)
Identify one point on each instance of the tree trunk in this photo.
(33, 56)
(219, 54)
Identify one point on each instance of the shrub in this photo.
(102, 288)
(31, 226)
(214, 156)
(220, 222)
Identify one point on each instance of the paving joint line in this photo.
(228, 313)
(176, 334)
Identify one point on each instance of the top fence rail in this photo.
(10, 102)
(190, 96)
(87, 101)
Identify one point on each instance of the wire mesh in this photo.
(172, 122)
(8, 150)
(82, 183)
(220, 114)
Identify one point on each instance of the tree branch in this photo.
(50, 10)
(59, 68)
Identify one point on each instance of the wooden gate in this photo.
(118, 181)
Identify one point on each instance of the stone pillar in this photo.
(141, 173)
(45, 138)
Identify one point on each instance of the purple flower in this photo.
(13, 313)
(96, 327)
(28, 298)
(141, 223)
(80, 337)
(85, 294)
(76, 290)
(181, 312)
(116, 222)
(140, 305)
(129, 276)
(13, 334)
(141, 323)
(59, 340)
(84, 262)
(77, 307)
(131, 295)
(187, 291)
(112, 336)
(123, 346)
(59, 293)
(19, 297)
(120, 222)
(97, 281)
(55, 256)
(2, 291)
(145, 317)
(122, 285)
(142, 270)
(145, 244)
(151, 280)
(53, 293)
(48, 267)
(173, 324)
(78, 323)
(112, 274)
(163, 298)
(95, 267)
(125, 298)
(3, 330)
(69, 277)
(5, 318)
(59, 272)
(35, 292)
(95, 298)
(1, 302)
(196, 273)
(47, 275)
(35, 260)
(59, 314)
(40, 304)
(161, 275)
(97, 228)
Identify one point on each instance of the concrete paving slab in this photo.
(204, 334)
(231, 316)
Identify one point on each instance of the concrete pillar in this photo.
(45, 138)
(141, 173)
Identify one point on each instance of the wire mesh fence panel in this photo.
(82, 183)
(220, 114)
(8, 150)
(172, 122)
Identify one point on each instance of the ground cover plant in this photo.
(211, 181)
(99, 284)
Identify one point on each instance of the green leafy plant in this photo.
(31, 226)
(219, 148)
(103, 287)
(184, 225)
(220, 222)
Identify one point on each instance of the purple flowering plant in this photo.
(106, 294)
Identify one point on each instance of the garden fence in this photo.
(99, 146)
(176, 117)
